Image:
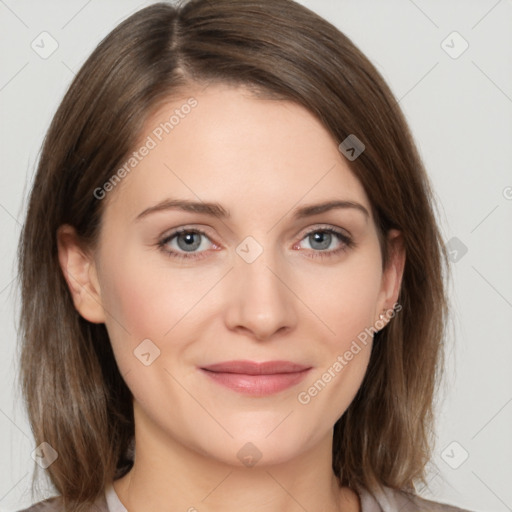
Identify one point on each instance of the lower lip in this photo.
(257, 385)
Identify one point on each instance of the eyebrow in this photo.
(218, 211)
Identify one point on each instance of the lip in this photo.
(257, 379)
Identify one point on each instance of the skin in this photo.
(260, 159)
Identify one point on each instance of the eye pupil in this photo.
(323, 238)
(189, 243)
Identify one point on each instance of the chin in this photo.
(253, 447)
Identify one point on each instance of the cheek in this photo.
(132, 300)
(346, 296)
(144, 299)
(346, 305)
(143, 304)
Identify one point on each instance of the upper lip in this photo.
(255, 368)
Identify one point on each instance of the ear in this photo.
(79, 270)
(393, 272)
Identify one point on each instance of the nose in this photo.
(260, 300)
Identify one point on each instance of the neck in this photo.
(167, 474)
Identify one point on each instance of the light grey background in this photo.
(460, 112)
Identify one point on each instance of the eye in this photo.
(184, 243)
(194, 243)
(321, 241)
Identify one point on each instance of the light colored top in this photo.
(386, 500)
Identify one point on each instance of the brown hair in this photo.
(76, 398)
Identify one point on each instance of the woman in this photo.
(231, 273)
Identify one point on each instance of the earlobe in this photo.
(79, 271)
(393, 273)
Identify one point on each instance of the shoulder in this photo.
(391, 500)
(56, 504)
(413, 503)
(49, 505)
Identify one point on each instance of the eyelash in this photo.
(347, 243)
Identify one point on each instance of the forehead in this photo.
(226, 145)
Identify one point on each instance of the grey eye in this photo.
(189, 241)
(321, 238)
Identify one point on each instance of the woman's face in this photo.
(255, 276)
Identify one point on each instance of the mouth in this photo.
(256, 379)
